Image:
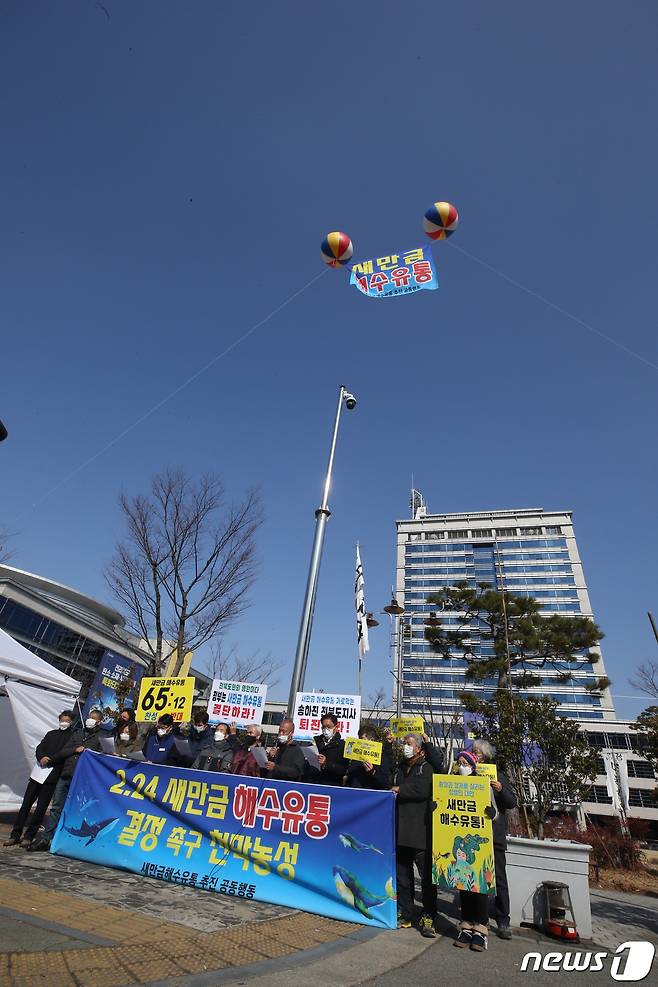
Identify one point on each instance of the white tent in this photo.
(32, 695)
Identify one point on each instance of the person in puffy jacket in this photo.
(286, 759)
(219, 755)
(412, 784)
(160, 747)
(201, 734)
(127, 739)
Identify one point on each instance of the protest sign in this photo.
(401, 726)
(159, 696)
(115, 686)
(310, 707)
(462, 838)
(363, 750)
(236, 702)
(487, 771)
(306, 846)
(396, 274)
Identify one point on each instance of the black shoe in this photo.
(12, 841)
(38, 845)
(464, 939)
(504, 932)
(479, 942)
(426, 926)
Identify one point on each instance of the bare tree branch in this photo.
(184, 572)
(646, 678)
(5, 553)
(227, 663)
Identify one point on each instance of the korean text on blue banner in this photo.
(289, 844)
(396, 274)
(115, 674)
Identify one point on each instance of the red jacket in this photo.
(244, 763)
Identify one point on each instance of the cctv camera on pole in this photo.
(322, 515)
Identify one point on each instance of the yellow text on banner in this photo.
(487, 771)
(363, 750)
(400, 727)
(165, 695)
(462, 839)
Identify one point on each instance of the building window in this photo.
(456, 534)
(640, 769)
(531, 531)
(482, 533)
(505, 532)
(642, 798)
(555, 530)
(599, 793)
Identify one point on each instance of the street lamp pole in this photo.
(322, 515)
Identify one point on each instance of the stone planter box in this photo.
(531, 862)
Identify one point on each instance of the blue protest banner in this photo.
(113, 670)
(322, 849)
(396, 274)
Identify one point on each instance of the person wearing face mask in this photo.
(125, 717)
(473, 907)
(201, 735)
(412, 784)
(40, 791)
(87, 738)
(505, 800)
(160, 747)
(126, 737)
(244, 762)
(218, 756)
(287, 761)
(331, 748)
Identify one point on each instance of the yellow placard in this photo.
(363, 750)
(462, 838)
(487, 771)
(401, 726)
(165, 695)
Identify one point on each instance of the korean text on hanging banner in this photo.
(242, 837)
(396, 274)
(310, 707)
(237, 702)
(158, 696)
(114, 673)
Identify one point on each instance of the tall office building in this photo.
(526, 552)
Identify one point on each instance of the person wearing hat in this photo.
(473, 906)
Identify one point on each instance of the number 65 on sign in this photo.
(159, 696)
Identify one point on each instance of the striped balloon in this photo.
(336, 249)
(440, 221)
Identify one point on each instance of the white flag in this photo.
(361, 622)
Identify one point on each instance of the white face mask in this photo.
(90, 724)
(200, 727)
(162, 731)
(328, 732)
(464, 769)
(220, 735)
(283, 738)
(64, 725)
(124, 736)
(408, 750)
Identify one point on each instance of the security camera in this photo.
(350, 401)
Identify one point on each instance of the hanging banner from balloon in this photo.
(396, 274)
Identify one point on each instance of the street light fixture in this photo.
(322, 515)
(371, 620)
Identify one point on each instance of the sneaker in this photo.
(426, 926)
(478, 942)
(403, 923)
(504, 932)
(38, 845)
(12, 841)
(464, 939)
(25, 842)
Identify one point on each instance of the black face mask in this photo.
(248, 740)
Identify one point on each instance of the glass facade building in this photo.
(525, 552)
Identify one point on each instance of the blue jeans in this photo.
(56, 806)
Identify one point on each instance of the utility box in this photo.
(531, 862)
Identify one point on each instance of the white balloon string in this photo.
(172, 394)
(555, 307)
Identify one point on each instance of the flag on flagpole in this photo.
(361, 622)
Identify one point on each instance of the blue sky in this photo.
(168, 174)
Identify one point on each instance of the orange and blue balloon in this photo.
(440, 221)
(337, 249)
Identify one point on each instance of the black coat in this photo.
(67, 757)
(434, 757)
(336, 765)
(201, 740)
(379, 778)
(505, 799)
(51, 744)
(289, 762)
(216, 757)
(413, 804)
